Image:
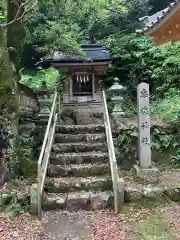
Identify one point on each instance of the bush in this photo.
(137, 60)
(168, 108)
(35, 79)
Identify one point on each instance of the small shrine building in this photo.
(84, 73)
(163, 26)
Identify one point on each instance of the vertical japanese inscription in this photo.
(144, 126)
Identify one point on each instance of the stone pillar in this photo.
(144, 126)
(144, 167)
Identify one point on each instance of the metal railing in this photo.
(46, 151)
(118, 183)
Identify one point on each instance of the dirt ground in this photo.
(161, 223)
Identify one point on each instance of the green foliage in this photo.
(17, 206)
(35, 79)
(127, 142)
(3, 11)
(52, 25)
(167, 108)
(176, 159)
(129, 107)
(27, 166)
(8, 103)
(140, 61)
(161, 140)
(2, 17)
(61, 25)
(110, 106)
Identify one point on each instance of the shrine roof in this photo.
(153, 22)
(90, 53)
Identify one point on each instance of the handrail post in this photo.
(39, 192)
(59, 106)
(43, 161)
(118, 184)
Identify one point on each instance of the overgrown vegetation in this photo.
(162, 138)
(17, 206)
(168, 108)
(36, 79)
(64, 24)
(139, 61)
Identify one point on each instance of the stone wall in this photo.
(12, 95)
(28, 108)
(28, 102)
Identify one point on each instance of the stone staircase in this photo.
(79, 173)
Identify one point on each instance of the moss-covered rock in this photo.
(8, 111)
(173, 194)
(132, 194)
(27, 165)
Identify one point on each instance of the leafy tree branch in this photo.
(22, 10)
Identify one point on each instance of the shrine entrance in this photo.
(82, 88)
(82, 85)
(84, 73)
(80, 137)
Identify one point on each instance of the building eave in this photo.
(166, 13)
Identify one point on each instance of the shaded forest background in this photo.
(64, 25)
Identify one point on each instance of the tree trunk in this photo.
(8, 113)
(15, 35)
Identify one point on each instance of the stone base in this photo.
(151, 174)
(121, 190)
(33, 199)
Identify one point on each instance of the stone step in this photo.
(79, 147)
(72, 184)
(79, 158)
(80, 129)
(66, 138)
(42, 116)
(83, 117)
(78, 200)
(79, 170)
(41, 122)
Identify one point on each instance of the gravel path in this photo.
(82, 225)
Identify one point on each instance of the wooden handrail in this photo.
(47, 130)
(112, 156)
(46, 151)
